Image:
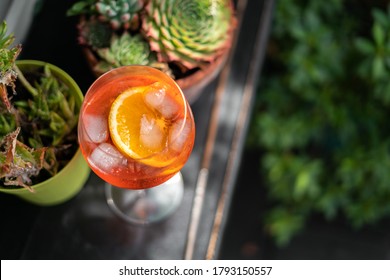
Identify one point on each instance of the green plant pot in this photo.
(69, 180)
(58, 189)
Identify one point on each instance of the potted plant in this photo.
(187, 39)
(39, 156)
(320, 122)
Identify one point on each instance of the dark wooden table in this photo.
(84, 227)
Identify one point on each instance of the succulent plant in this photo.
(187, 39)
(124, 50)
(7, 60)
(35, 128)
(127, 50)
(83, 7)
(19, 162)
(120, 13)
(95, 33)
(187, 31)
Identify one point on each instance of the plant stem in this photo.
(25, 83)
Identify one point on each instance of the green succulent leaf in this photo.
(42, 115)
(119, 13)
(8, 56)
(192, 32)
(86, 7)
(125, 50)
(18, 163)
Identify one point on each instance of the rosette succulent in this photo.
(124, 50)
(127, 50)
(187, 39)
(119, 13)
(187, 31)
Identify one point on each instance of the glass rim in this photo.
(187, 114)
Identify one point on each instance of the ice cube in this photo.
(155, 95)
(168, 108)
(178, 134)
(151, 135)
(96, 128)
(157, 98)
(106, 157)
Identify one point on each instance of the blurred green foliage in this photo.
(322, 114)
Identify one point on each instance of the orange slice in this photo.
(138, 129)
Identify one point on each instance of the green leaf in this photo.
(82, 7)
(283, 224)
(378, 67)
(57, 123)
(364, 46)
(322, 114)
(380, 17)
(379, 34)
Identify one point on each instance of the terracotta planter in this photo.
(191, 85)
(71, 178)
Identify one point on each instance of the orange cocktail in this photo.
(136, 129)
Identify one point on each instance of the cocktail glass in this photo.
(136, 131)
